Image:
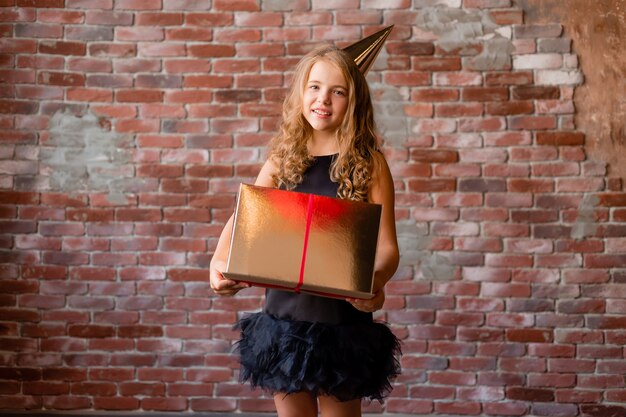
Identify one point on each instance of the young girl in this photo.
(315, 353)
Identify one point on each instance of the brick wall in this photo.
(126, 127)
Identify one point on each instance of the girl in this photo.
(315, 353)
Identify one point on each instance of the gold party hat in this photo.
(365, 51)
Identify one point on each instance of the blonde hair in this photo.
(356, 137)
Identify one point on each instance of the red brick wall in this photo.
(126, 127)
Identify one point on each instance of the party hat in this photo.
(365, 51)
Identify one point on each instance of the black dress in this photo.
(302, 342)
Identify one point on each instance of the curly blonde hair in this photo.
(356, 136)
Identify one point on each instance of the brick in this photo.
(100, 389)
(561, 169)
(407, 79)
(547, 409)
(606, 322)
(434, 156)
(90, 331)
(606, 352)
(536, 276)
(62, 48)
(438, 64)
(605, 261)
(538, 31)
(172, 65)
(118, 50)
(33, 30)
(530, 185)
(115, 403)
(431, 392)
(213, 404)
(41, 3)
(208, 19)
(481, 185)
(238, 5)
(452, 378)
(433, 125)
(507, 17)
(537, 61)
(506, 409)
(505, 290)
(258, 19)
(45, 388)
(612, 199)
(486, 4)
(303, 18)
(62, 79)
(160, 49)
(559, 45)
(529, 335)
(434, 95)
(545, 153)
(509, 108)
(138, 96)
(410, 48)
(457, 78)
(458, 110)
(555, 107)
(211, 51)
(599, 381)
(471, 49)
(559, 77)
(486, 124)
(571, 365)
(535, 93)
(508, 78)
(18, 107)
(530, 394)
(485, 94)
(532, 122)
(560, 138)
(529, 246)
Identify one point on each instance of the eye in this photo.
(313, 87)
(340, 92)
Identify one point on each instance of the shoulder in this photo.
(382, 182)
(380, 168)
(267, 173)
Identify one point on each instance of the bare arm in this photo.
(387, 252)
(220, 284)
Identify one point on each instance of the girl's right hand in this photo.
(223, 286)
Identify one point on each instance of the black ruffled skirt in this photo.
(347, 362)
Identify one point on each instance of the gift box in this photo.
(303, 242)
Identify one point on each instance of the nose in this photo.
(324, 96)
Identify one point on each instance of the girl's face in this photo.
(325, 97)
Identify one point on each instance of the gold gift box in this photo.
(304, 242)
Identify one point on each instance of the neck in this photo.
(323, 143)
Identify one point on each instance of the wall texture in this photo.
(597, 31)
(126, 127)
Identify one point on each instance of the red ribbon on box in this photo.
(309, 217)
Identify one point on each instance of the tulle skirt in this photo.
(347, 362)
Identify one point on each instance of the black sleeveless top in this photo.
(306, 307)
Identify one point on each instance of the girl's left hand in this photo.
(369, 306)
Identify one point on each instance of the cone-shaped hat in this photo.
(365, 51)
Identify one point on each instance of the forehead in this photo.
(328, 73)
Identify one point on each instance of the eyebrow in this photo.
(333, 86)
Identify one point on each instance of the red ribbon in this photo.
(309, 217)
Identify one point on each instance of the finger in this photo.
(229, 287)
(224, 284)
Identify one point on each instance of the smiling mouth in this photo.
(321, 112)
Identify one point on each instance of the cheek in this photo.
(344, 107)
